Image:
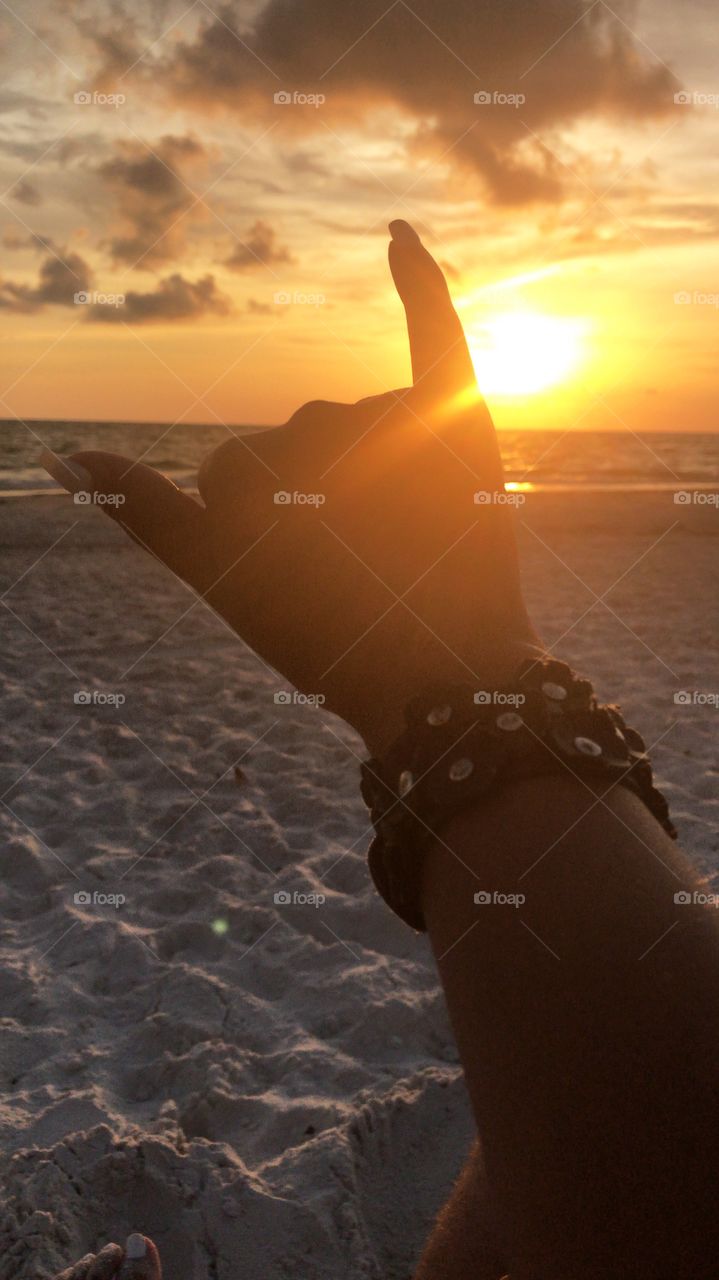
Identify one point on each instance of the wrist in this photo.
(459, 748)
(381, 720)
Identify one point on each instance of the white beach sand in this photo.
(280, 1095)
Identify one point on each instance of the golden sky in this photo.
(230, 172)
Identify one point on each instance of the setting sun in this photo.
(520, 353)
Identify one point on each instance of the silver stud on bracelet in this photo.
(405, 782)
(556, 692)
(588, 746)
(509, 720)
(461, 769)
(440, 715)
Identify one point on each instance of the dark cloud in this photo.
(152, 191)
(66, 280)
(119, 47)
(26, 193)
(61, 276)
(307, 162)
(12, 239)
(11, 102)
(256, 308)
(123, 35)
(259, 248)
(175, 298)
(424, 63)
(16, 239)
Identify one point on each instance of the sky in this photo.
(194, 205)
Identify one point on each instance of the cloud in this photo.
(153, 195)
(422, 64)
(64, 275)
(26, 193)
(256, 308)
(16, 239)
(61, 276)
(175, 298)
(12, 102)
(119, 46)
(259, 248)
(675, 224)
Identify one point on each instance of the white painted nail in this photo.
(70, 475)
(135, 1246)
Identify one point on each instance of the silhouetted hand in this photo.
(347, 547)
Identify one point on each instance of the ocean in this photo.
(538, 459)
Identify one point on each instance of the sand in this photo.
(267, 1089)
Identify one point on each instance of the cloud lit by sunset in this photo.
(229, 174)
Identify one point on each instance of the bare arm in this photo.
(586, 1020)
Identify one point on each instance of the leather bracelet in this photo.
(460, 745)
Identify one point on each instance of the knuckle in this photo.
(311, 412)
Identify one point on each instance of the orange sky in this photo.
(579, 226)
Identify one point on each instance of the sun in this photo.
(520, 353)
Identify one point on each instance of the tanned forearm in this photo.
(586, 1020)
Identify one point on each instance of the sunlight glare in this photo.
(519, 353)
